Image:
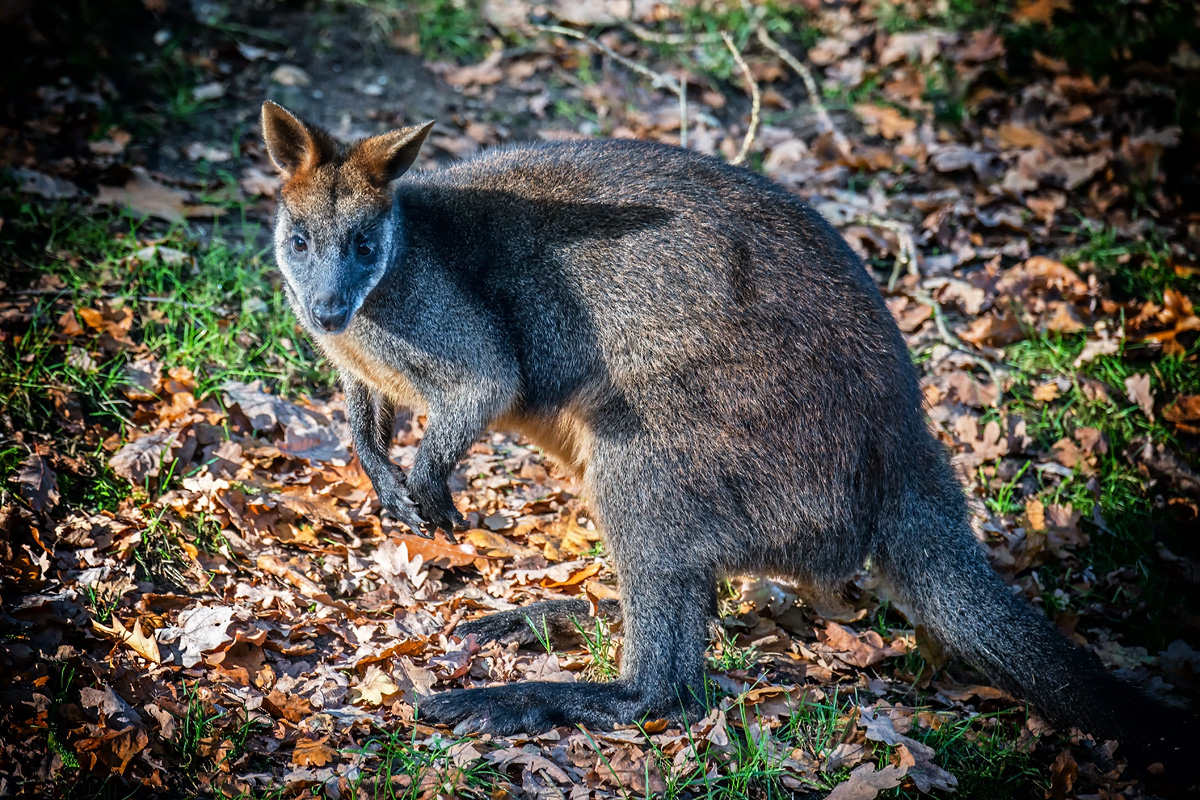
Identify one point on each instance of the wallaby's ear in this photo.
(292, 143)
(387, 156)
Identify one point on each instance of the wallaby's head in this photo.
(337, 228)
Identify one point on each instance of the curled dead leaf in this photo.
(37, 483)
(313, 753)
(145, 646)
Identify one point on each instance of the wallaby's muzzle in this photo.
(331, 314)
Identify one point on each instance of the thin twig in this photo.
(810, 84)
(108, 296)
(657, 79)
(672, 39)
(949, 338)
(755, 100)
(906, 257)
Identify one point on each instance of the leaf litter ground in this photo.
(199, 597)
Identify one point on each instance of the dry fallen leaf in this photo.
(862, 650)
(145, 646)
(1184, 412)
(1046, 392)
(1137, 389)
(257, 183)
(375, 688)
(199, 629)
(291, 707)
(37, 483)
(1040, 11)
(438, 551)
(146, 197)
(887, 121)
(922, 770)
(143, 457)
(313, 753)
(865, 782)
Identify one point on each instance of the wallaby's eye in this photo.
(298, 244)
(364, 248)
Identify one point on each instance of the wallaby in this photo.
(702, 349)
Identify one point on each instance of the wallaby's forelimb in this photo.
(385, 421)
(452, 426)
(371, 418)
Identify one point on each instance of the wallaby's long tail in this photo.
(935, 566)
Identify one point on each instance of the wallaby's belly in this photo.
(350, 355)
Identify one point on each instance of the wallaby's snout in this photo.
(330, 313)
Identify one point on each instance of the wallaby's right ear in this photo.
(292, 143)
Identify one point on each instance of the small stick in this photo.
(907, 257)
(810, 84)
(108, 296)
(755, 100)
(948, 337)
(657, 79)
(672, 39)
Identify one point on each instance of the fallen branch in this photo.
(906, 258)
(670, 39)
(810, 84)
(755, 100)
(657, 79)
(951, 340)
(107, 296)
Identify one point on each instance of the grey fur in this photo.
(717, 365)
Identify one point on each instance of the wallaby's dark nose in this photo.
(330, 315)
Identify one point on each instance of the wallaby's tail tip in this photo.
(946, 579)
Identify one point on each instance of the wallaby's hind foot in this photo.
(551, 620)
(539, 706)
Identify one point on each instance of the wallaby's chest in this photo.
(351, 355)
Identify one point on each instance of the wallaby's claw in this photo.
(435, 505)
(407, 515)
(449, 533)
(397, 503)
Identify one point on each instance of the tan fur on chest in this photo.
(348, 354)
(565, 436)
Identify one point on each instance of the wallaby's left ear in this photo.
(292, 143)
(387, 156)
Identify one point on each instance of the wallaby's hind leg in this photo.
(551, 619)
(662, 666)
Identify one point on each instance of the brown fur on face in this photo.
(322, 177)
(326, 196)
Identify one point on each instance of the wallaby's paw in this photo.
(398, 504)
(435, 503)
(537, 706)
